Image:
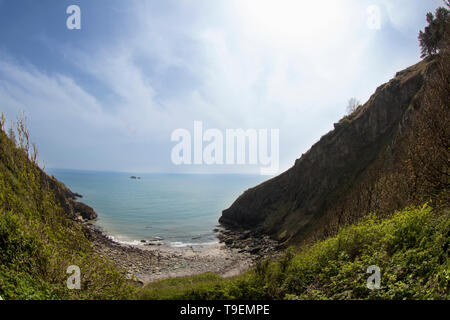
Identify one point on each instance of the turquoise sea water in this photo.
(181, 209)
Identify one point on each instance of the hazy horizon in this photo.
(50, 170)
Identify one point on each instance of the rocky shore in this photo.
(247, 241)
(234, 253)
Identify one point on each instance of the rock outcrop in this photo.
(83, 210)
(68, 199)
(289, 204)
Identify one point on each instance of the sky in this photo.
(109, 95)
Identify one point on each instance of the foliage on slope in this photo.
(38, 239)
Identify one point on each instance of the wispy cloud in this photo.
(288, 65)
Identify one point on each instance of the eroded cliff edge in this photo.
(289, 206)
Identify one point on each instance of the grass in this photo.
(204, 286)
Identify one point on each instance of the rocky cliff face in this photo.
(67, 199)
(290, 204)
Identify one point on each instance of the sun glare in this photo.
(288, 19)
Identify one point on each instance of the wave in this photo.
(128, 242)
(179, 244)
(174, 244)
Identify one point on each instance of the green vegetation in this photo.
(38, 240)
(431, 39)
(411, 249)
(202, 287)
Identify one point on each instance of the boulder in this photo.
(83, 210)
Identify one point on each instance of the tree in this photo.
(438, 25)
(353, 104)
(2, 120)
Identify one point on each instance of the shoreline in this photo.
(233, 254)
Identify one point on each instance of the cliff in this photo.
(290, 206)
(40, 232)
(68, 199)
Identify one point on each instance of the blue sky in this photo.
(108, 96)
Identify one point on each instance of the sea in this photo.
(177, 210)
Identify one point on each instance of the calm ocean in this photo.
(180, 209)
